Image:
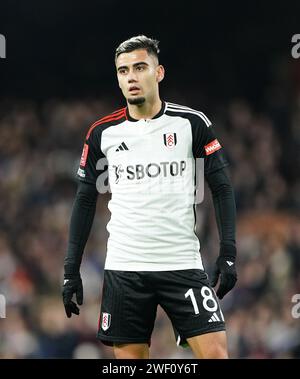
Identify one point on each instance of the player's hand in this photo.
(72, 286)
(225, 268)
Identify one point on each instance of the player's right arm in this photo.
(82, 216)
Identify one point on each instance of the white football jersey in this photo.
(149, 165)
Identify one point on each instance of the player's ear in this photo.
(160, 73)
(117, 74)
(119, 82)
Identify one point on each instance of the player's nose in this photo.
(131, 77)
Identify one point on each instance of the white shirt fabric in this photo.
(151, 171)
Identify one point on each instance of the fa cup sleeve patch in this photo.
(84, 155)
(212, 147)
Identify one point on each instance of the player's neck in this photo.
(147, 110)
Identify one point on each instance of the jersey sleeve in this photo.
(206, 145)
(91, 155)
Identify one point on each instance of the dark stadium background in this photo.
(231, 60)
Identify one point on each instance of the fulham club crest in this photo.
(106, 317)
(170, 140)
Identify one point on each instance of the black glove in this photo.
(225, 266)
(72, 284)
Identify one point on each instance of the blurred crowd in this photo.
(40, 148)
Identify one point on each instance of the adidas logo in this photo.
(214, 318)
(122, 147)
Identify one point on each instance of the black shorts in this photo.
(130, 300)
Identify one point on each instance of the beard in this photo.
(136, 100)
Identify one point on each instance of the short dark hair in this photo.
(138, 42)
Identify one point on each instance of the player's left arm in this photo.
(207, 146)
(225, 212)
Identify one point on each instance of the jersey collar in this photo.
(160, 113)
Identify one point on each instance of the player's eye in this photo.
(122, 71)
(140, 68)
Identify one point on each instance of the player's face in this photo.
(138, 75)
